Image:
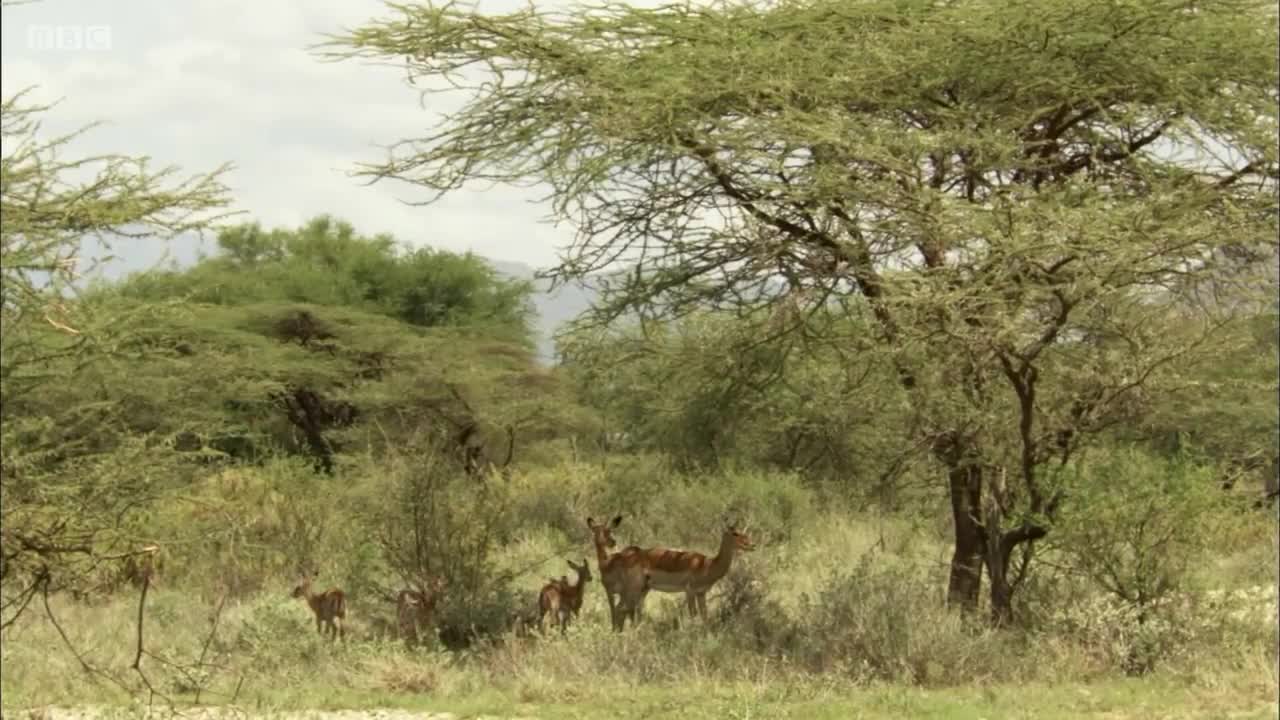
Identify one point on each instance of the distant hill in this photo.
(553, 308)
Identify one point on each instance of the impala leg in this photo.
(630, 611)
(702, 605)
(621, 611)
(613, 609)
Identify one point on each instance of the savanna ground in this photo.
(838, 613)
(986, 360)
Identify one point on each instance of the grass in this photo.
(1245, 695)
(814, 633)
(1242, 696)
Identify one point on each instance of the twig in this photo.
(84, 664)
(137, 658)
(142, 602)
(30, 593)
(204, 650)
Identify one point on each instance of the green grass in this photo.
(1241, 696)
(856, 633)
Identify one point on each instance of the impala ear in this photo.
(617, 521)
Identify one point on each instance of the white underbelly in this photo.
(663, 582)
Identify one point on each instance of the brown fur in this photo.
(561, 600)
(329, 607)
(415, 609)
(622, 574)
(692, 572)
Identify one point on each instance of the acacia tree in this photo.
(1025, 198)
(712, 390)
(326, 262)
(71, 481)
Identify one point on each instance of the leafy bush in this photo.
(1137, 526)
(273, 625)
(424, 535)
(325, 262)
(885, 621)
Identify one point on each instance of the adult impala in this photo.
(622, 573)
(692, 573)
(329, 607)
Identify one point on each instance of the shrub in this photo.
(438, 522)
(1137, 526)
(883, 620)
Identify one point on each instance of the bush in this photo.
(1137, 526)
(882, 620)
(436, 522)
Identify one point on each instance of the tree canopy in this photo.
(1028, 202)
(326, 262)
(67, 502)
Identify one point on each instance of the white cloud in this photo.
(199, 83)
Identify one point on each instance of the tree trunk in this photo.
(965, 582)
(999, 559)
(997, 562)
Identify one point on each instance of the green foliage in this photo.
(1137, 527)
(422, 536)
(325, 262)
(74, 478)
(1024, 208)
(986, 261)
(840, 601)
(710, 392)
(1227, 410)
(881, 620)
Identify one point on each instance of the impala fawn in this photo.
(561, 600)
(415, 609)
(329, 607)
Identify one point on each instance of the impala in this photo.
(692, 573)
(416, 609)
(561, 600)
(330, 607)
(549, 600)
(622, 574)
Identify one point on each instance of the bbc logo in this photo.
(89, 38)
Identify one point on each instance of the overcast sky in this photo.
(197, 83)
